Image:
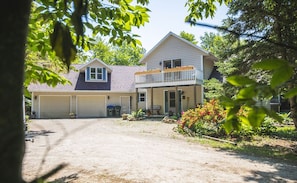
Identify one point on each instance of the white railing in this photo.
(163, 76)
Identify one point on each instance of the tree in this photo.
(61, 21)
(268, 28)
(125, 54)
(227, 63)
(188, 36)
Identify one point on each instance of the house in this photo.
(95, 87)
(170, 81)
(175, 70)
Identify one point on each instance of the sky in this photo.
(169, 15)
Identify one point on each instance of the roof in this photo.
(121, 79)
(82, 67)
(171, 34)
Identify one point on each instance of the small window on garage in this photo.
(141, 97)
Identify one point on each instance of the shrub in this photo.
(135, 115)
(203, 119)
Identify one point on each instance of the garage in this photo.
(54, 106)
(91, 106)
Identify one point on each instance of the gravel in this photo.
(112, 150)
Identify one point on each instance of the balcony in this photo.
(186, 75)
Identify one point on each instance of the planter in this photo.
(124, 116)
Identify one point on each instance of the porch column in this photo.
(195, 96)
(202, 94)
(136, 99)
(176, 101)
(152, 100)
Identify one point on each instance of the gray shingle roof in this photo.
(121, 79)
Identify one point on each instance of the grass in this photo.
(280, 145)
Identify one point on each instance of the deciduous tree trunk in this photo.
(293, 110)
(14, 17)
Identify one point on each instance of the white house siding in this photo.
(54, 106)
(208, 67)
(173, 48)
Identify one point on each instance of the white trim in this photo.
(95, 60)
(142, 97)
(38, 106)
(32, 103)
(202, 65)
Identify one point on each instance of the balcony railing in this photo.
(169, 77)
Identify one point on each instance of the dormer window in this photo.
(96, 74)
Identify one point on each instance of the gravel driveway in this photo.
(112, 150)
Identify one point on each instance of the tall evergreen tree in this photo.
(269, 30)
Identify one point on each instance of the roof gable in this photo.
(95, 61)
(172, 35)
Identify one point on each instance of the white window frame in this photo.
(96, 74)
(142, 98)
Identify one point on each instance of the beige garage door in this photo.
(54, 106)
(91, 106)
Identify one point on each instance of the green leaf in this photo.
(270, 64)
(231, 124)
(240, 80)
(226, 101)
(256, 116)
(232, 112)
(281, 75)
(247, 93)
(244, 120)
(291, 93)
(227, 125)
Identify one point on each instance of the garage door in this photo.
(91, 106)
(54, 106)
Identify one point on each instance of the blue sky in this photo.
(169, 15)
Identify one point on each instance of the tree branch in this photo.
(224, 29)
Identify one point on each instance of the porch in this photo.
(178, 76)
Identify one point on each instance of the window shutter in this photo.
(87, 73)
(104, 74)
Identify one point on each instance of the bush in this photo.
(136, 115)
(208, 120)
(203, 119)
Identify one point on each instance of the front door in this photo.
(170, 102)
(125, 104)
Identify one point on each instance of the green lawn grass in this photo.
(280, 145)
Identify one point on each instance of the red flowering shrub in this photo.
(210, 114)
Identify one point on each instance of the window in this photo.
(166, 64)
(99, 73)
(96, 73)
(176, 62)
(141, 97)
(171, 63)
